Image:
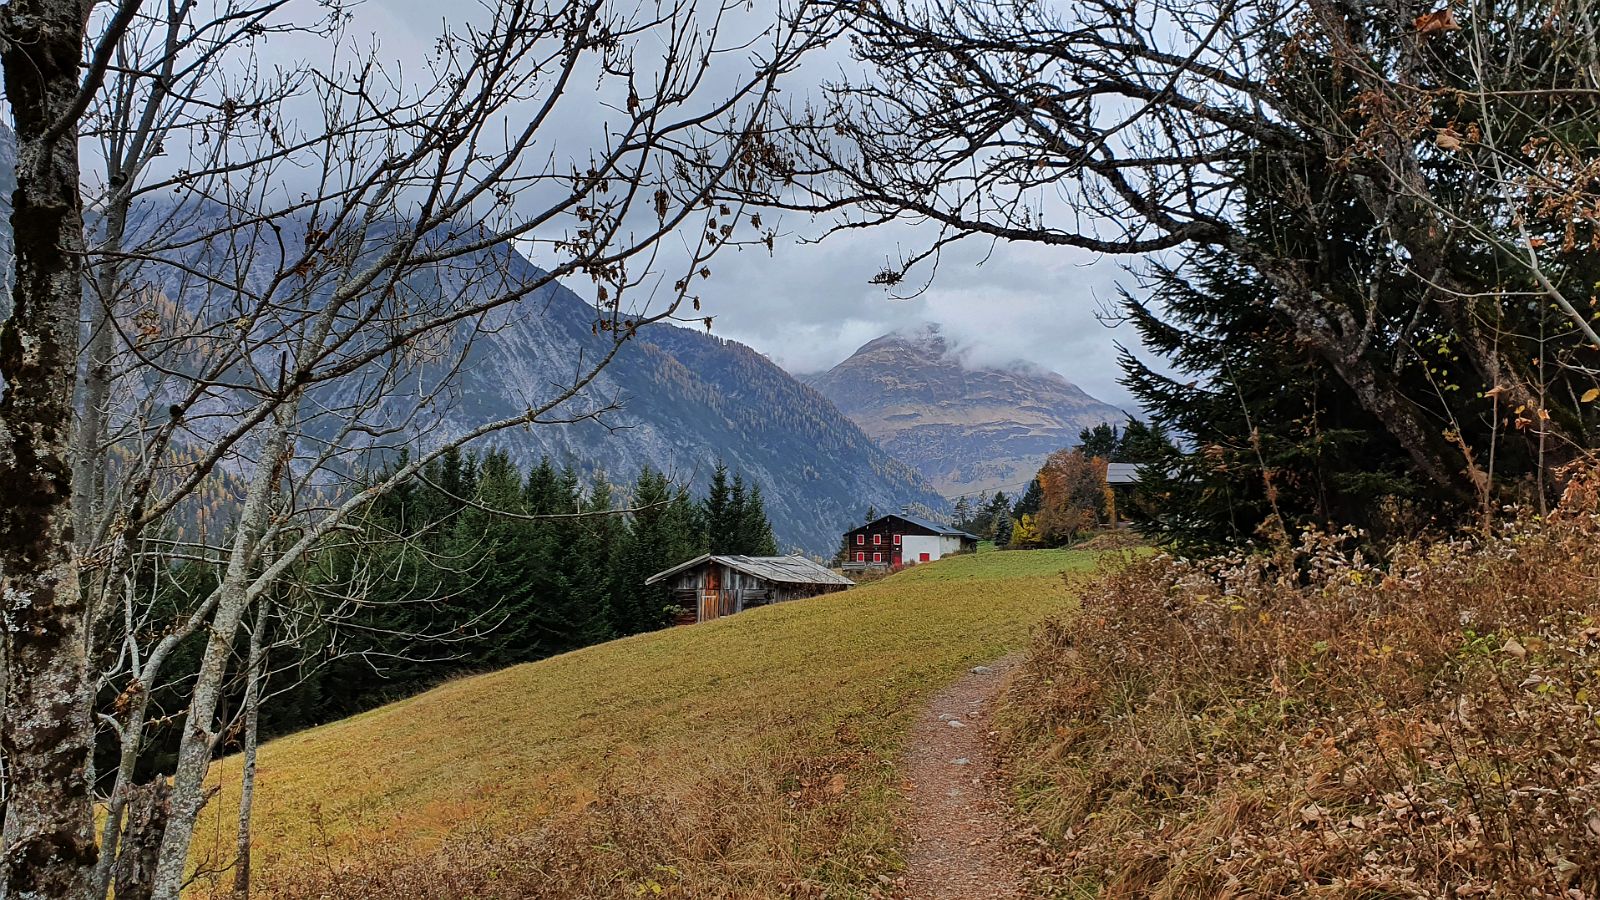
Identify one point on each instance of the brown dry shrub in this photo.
(772, 831)
(1316, 724)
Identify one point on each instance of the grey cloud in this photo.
(808, 306)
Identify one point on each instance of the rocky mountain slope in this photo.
(687, 399)
(684, 399)
(964, 427)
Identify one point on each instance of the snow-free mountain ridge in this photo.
(965, 426)
(684, 399)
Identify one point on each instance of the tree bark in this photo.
(47, 734)
(136, 860)
(199, 735)
(89, 474)
(247, 780)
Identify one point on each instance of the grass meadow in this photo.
(748, 757)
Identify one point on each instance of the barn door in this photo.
(711, 594)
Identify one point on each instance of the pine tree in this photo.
(756, 530)
(1274, 431)
(1101, 440)
(717, 513)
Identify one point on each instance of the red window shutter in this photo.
(860, 557)
(877, 557)
(877, 539)
(861, 539)
(897, 540)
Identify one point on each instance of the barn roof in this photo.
(1122, 473)
(935, 526)
(932, 526)
(788, 569)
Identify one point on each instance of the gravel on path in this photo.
(961, 846)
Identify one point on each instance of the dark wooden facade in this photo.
(883, 542)
(879, 543)
(715, 586)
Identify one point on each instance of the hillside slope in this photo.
(753, 756)
(965, 427)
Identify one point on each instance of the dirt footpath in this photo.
(960, 845)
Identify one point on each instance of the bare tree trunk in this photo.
(47, 735)
(247, 780)
(233, 602)
(89, 457)
(136, 860)
(122, 792)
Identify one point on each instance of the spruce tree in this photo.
(1274, 431)
(660, 534)
(452, 478)
(595, 543)
(547, 621)
(642, 553)
(1030, 501)
(1101, 440)
(961, 517)
(717, 512)
(493, 554)
(755, 529)
(1142, 443)
(735, 540)
(1002, 527)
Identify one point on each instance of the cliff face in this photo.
(964, 427)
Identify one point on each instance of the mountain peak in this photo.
(930, 341)
(966, 421)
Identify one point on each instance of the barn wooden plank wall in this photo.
(713, 587)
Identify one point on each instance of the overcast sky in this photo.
(807, 306)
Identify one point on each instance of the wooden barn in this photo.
(892, 541)
(1123, 480)
(715, 586)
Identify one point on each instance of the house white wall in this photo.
(948, 544)
(912, 546)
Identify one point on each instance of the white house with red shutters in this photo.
(898, 540)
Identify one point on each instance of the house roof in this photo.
(1122, 473)
(934, 527)
(789, 569)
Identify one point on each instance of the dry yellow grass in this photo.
(1321, 723)
(787, 719)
